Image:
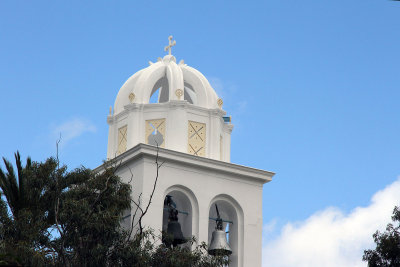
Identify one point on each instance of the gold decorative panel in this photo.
(197, 138)
(155, 132)
(122, 139)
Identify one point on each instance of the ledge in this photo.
(143, 150)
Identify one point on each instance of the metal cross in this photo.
(171, 44)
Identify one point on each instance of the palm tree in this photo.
(13, 188)
(29, 192)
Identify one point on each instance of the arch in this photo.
(175, 79)
(122, 98)
(192, 77)
(231, 210)
(145, 83)
(141, 84)
(190, 94)
(185, 201)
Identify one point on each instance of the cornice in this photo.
(172, 104)
(147, 151)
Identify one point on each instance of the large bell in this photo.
(219, 245)
(174, 235)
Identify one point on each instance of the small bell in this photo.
(219, 245)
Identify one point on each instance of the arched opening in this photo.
(186, 204)
(229, 210)
(154, 97)
(160, 91)
(190, 94)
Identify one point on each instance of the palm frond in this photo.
(9, 186)
(21, 179)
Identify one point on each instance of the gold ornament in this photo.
(220, 102)
(131, 97)
(179, 93)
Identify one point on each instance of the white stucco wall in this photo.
(177, 114)
(205, 181)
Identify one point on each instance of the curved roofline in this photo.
(142, 82)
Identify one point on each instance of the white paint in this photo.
(200, 106)
(204, 182)
(142, 83)
(196, 183)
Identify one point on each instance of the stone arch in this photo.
(191, 76)
(186, 201)
(231, 210)
(122, 98)
(145, 83)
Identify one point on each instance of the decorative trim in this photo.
(155, 129)
(179, 93)
(171, 104)
(131, 97)
(220, 102)
(197, 138)
(122, 139)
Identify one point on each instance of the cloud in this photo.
(330, 237)
(72, 129)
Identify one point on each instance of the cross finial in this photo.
(171, 44)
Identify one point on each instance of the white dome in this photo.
(167, 77)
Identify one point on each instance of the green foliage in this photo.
(89, 217)
(51, 217)
(387, 251)
(26, 193)
(184, 257)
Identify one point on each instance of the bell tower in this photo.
(169, 112)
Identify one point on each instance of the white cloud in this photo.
(72, 129)
(330, 237)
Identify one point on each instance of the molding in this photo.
(113, 118)
(142, 150)
(133, 106)
(172, 104)
(178, 103)
(228, 127)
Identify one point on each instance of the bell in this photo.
(219, 245)
(174, 235)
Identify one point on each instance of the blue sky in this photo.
(312, 87)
